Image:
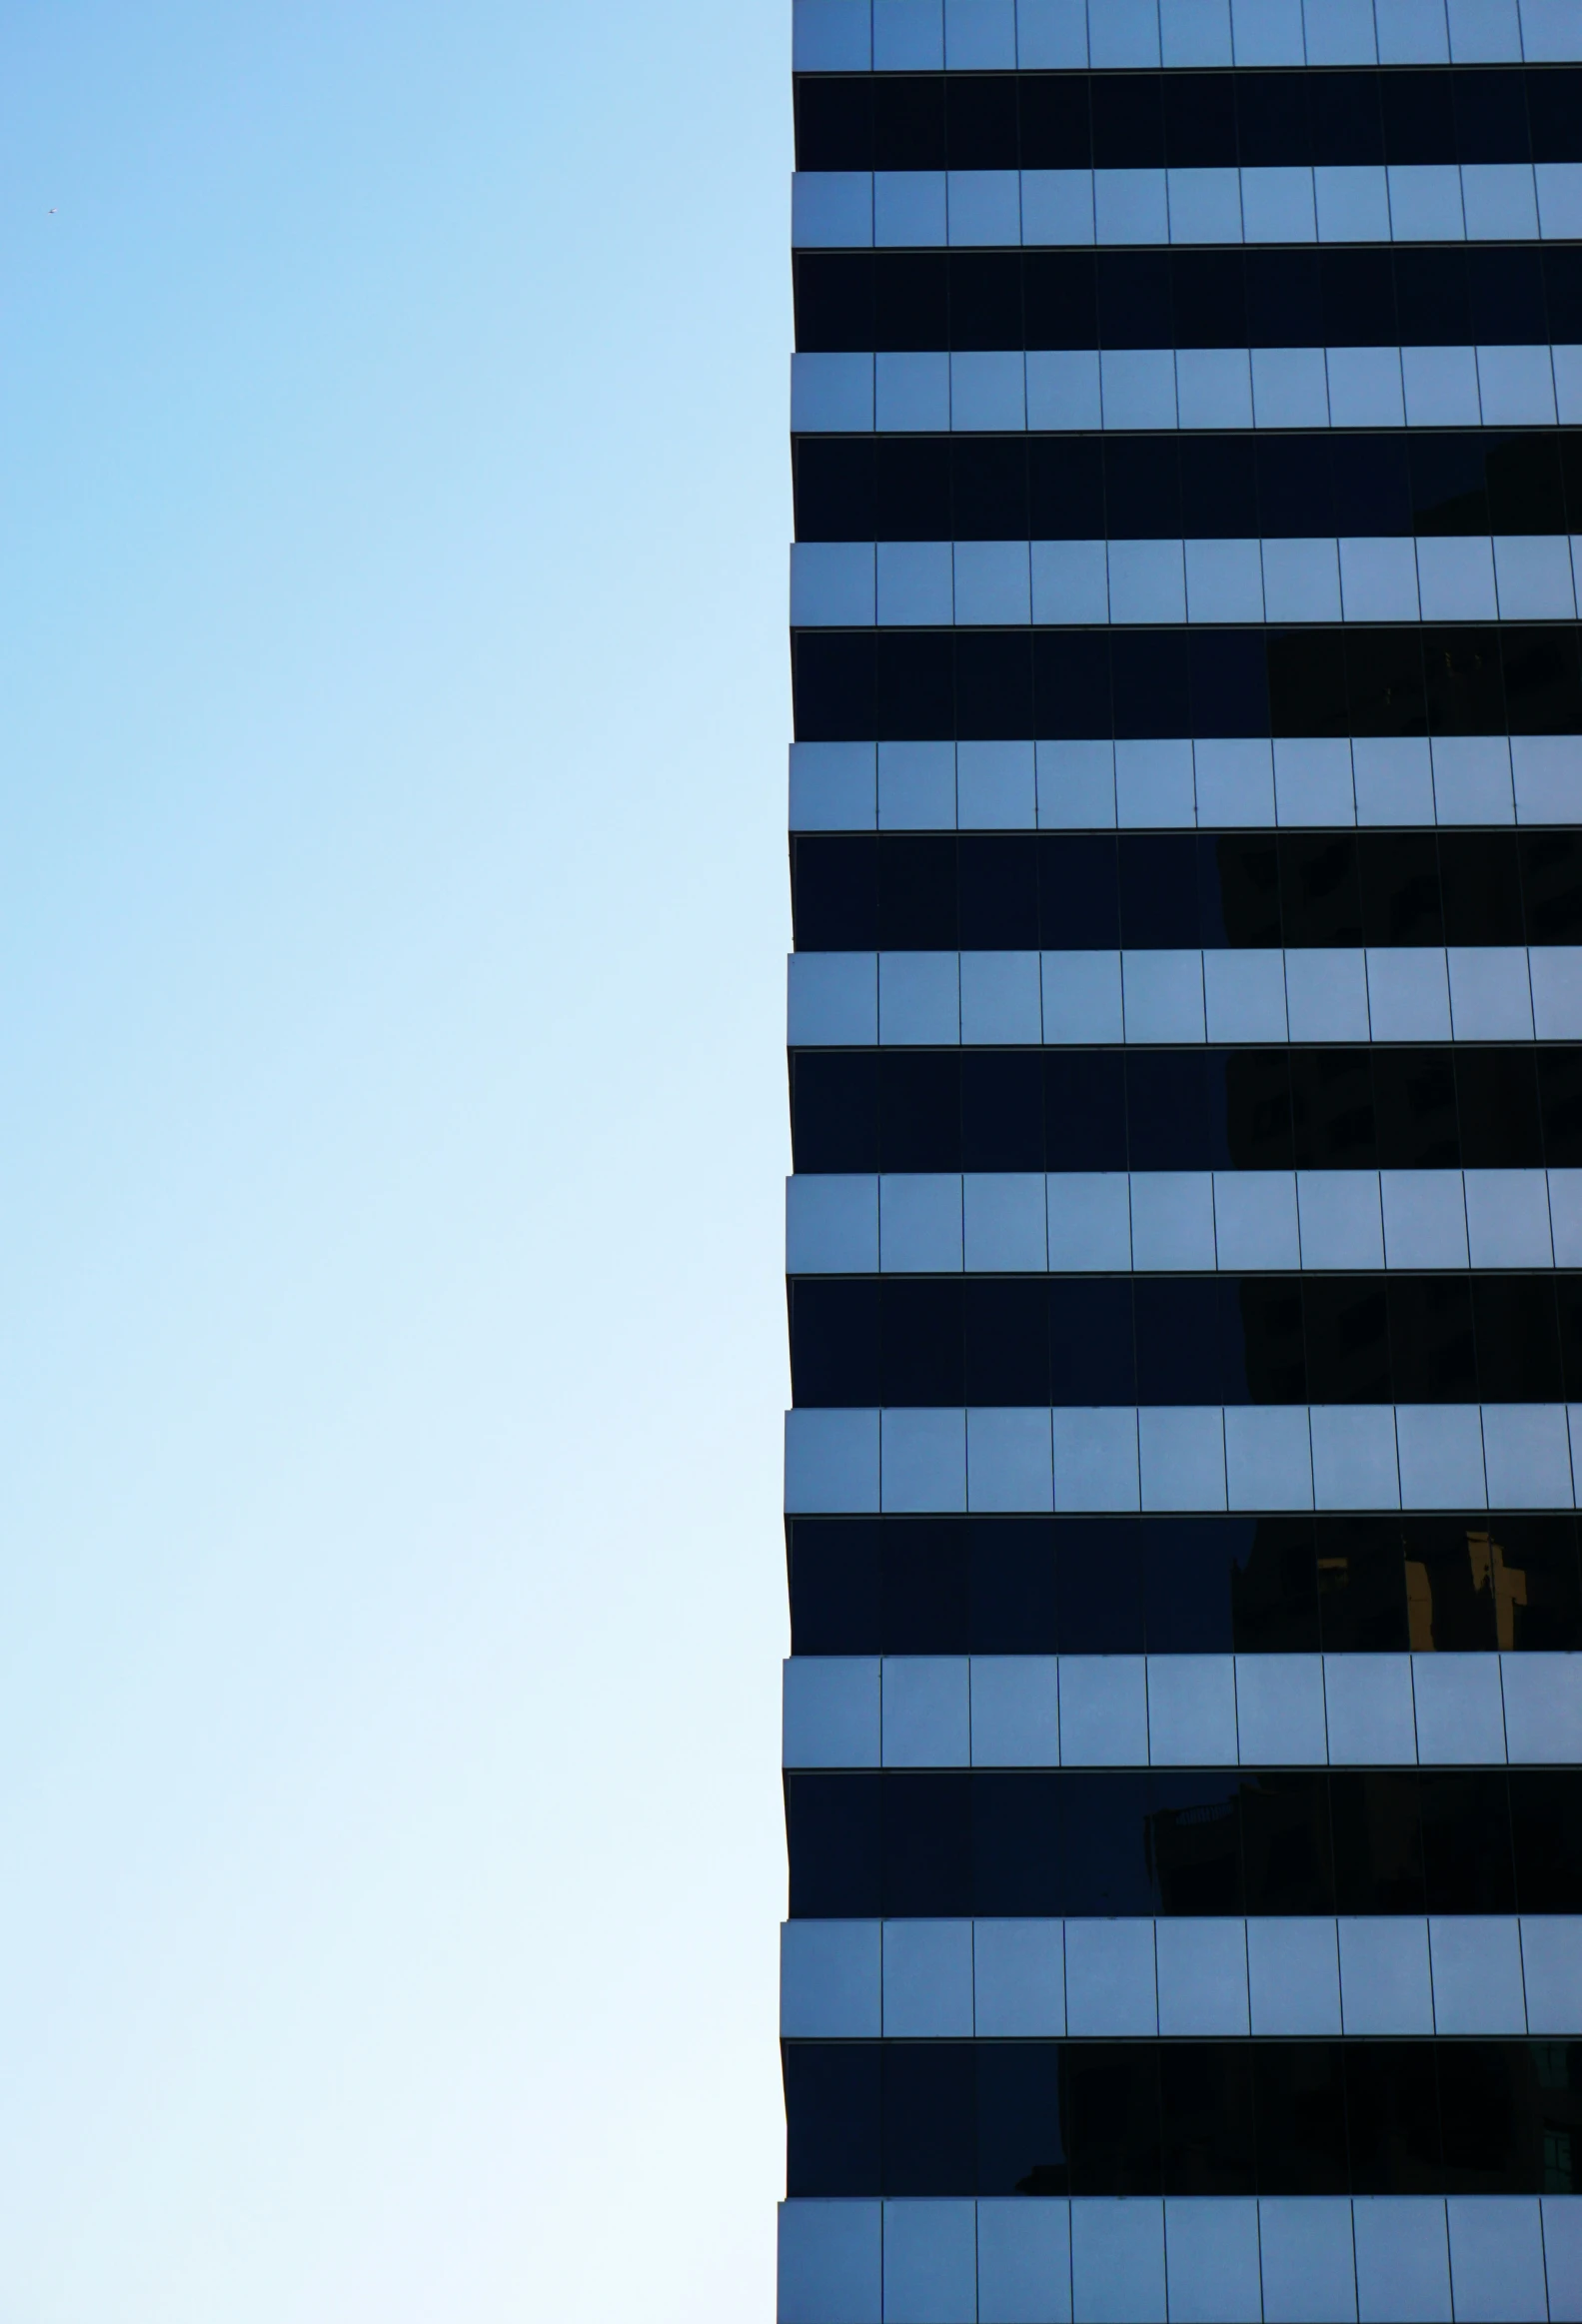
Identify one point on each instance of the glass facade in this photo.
(1183, 1721)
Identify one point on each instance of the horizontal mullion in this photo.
(1270, 2257)
(1107, 37)
(1207, 391)
(1309, 784)
(1378, 994)
(1371, 579)
(1015, 1224)
(1308, 1977)
(1292, 204)
(1093, 1459)
(1182, 1710)
(1179, 1843)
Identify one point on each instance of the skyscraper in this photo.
(1183, 1723)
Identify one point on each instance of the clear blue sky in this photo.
(392, 1347)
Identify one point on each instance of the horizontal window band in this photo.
(1011, 891)
(1247, 1222)
(965, 2120)
(1464, 1582)
(1207, 2255)
(1074, 118)
(1329, 1110)
(975, 36)
(1141, 685)
(1441, 484)
(1432, 202)
(1512, 295)
(1172, 1344)
(1373, 578)
(1093, 1459)
(1040, 1981)
(1179, 1844)
(1182, 1710)
(1308, 783)
(1079, 391)
(1407, 992)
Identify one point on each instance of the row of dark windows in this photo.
(1183, 2118)
(1070, 891)
(1213, 487)
(859, 1340)
(1131, 121)
(904, 686)
(1415, 295)
(1086, 1842)
(1471, 1584)
(1187, 1109)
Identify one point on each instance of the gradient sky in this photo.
(391, 1346)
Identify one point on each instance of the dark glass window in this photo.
(908, 122)
(833, 2117)
(1199, 120)
(1002, 1109)
(911, 489)
(1133, 298)
(834, 1109)
(919, 1109)
(1090, 1341)
(1079, 899)
(833, 1571)
(1116, 2125)
(927, 1829)
(1420, 117)
(925, 1586)
(1286, 303)
(1100, 1587)
(1012, 1584)
(1210, 298)
(1320, 895)
(833, 1844)
(1347, 126)
(1055, 121)
(1129, 121)
(834, 1341)
(929, 2116)
(985, 299)
(1554, 108)
(1506, 287)
(1300, 2099)
(1085, 1110)
(1392, 2117)
(922, 1350)
(1022, 2100)
(980, 121)
(1491, 116)
(834, 121)
(1272, 116)
(1362, 1586)
(1020, 1848)
(1378, 1841)
(1467, 1859)
(1286, 1844)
